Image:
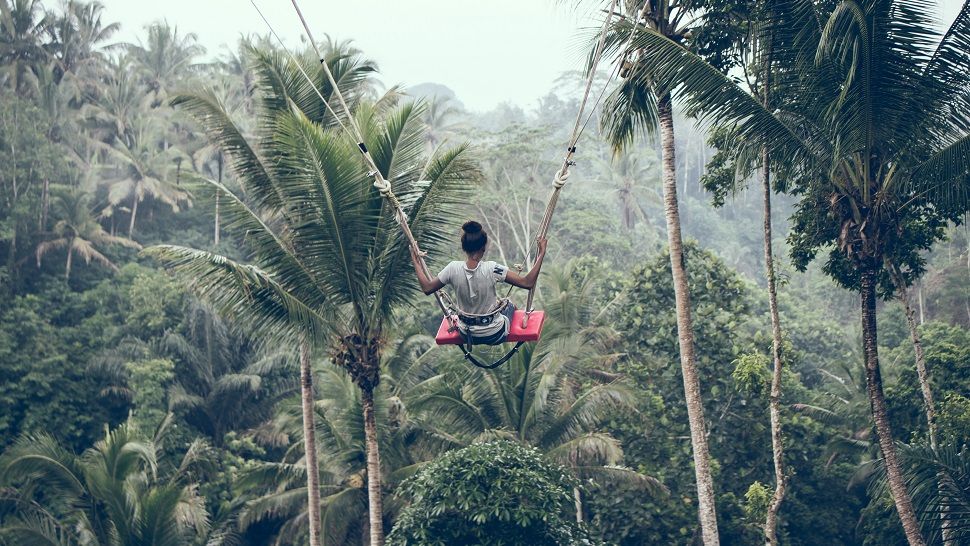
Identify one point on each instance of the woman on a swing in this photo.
(482, 315)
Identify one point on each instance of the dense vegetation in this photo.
(210, 331)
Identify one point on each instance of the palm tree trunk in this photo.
(216, 234)
(45, 204)
(310, 444)
(67, 266)
(692, 391)
(374, 501)
(134, 212)
(877, 401)
(921, 371)
(578, 501)
(777, 448)
(12, 253)
(217, 202)
(924, 383)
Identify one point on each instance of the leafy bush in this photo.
(499, 493)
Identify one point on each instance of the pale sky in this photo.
(487, 51)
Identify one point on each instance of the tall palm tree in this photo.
(78, 232)
(164, 59)
(111, 110)
(752, 50)
(78, 36)
(23, 24)
(145, 171)
(627, 173)
(873, 126)
(107, 496)
(440, 119)
(642, 103)
(332, 264)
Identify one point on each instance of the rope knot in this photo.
(383, 186)
(561, 177)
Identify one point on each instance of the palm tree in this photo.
(627, 173)
(78, 231)
(333, 265)
(22, 27)
(109, 495)
(753, 49)
(223, 381)
(643, 103)
(164, 59)
(78, 35)
(405, 444)
(144, 171)
(873, 193)
(440, 119)
(539, 398)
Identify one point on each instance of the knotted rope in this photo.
(563, 173)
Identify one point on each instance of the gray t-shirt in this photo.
(475, 291)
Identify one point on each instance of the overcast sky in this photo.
(487, 51)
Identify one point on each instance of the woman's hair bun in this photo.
(473, 237)
(471, 227)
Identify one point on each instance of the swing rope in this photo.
(563, 173)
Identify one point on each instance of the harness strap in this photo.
(471, 358)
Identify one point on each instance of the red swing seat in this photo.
(516, 331)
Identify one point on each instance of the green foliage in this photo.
(150, 379)
(722, 308)
(752, 375)
(954, 417)
(946, 349)
(155, 303)
(498, 493)
(757, 499)
(110, 494)
(45, 343)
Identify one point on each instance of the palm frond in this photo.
(323, 183)
(939, 482)
(339, 511)
(949, 69)
(271, 249)
(284, 504)
(244, 161)
(628, 113)
(244, 291)
(585, 413)
(41, 457)
(587, 449)
(706, 92)
(945, 177)
(36, 529)
(609, 475)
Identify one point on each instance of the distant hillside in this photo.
(430, 90)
